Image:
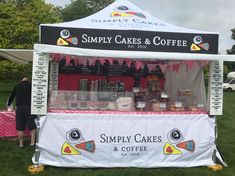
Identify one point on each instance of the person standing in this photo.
(22, 94)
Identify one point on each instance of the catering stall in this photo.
(125, 90)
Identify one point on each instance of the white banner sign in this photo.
(216, 88)
(39, 84)
(126, 140)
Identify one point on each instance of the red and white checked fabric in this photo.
(7, 124)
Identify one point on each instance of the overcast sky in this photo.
(205, 15)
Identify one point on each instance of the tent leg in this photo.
(37, 151)
(36, 168)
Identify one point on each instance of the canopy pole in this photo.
(37, 151)
(36, 168)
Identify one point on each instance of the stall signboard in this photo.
(126, 140)
(39, 84)
(130, 40)
(216, 88)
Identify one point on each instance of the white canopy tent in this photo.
(123, 30)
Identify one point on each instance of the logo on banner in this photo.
(65, 38)
(198, 44)
(176, 142)
(75, 142)
(124, 11)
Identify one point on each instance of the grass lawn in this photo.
(15, 161)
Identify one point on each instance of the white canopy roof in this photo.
(21, 56)
(124, 30)
(119, 16)
(124, 26)
(123, 15)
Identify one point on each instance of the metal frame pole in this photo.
(37, 150)
(36, 168)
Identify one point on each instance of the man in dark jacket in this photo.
(22, 93)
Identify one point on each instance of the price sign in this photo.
(39, 84)
(216, 88)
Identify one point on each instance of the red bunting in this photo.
(151, 67)
(176, 67)
(92, 61)
(76, 60)
(128, 62)
(55, 57)
(189, 64)
(139, 65)
(163, 68)
(110, 61)
(102, 61)
(120, 61)
(82, 61)
(67, 59)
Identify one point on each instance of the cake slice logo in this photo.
(73, 40)
(67, 149)
(62, 42)
(169, 149)
(194, 47)
(88, 146)
(187, 145)
(75, 142)
(120, 14)
(198, 44)
(124, 11)
(205, 46)
(65, 38)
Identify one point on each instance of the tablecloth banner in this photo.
(126, 140)
(7, 125)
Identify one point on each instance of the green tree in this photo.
(231, 65)
(232, 50)
(20, 19)
(13, 71)
(19, 28)
(81, 8)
